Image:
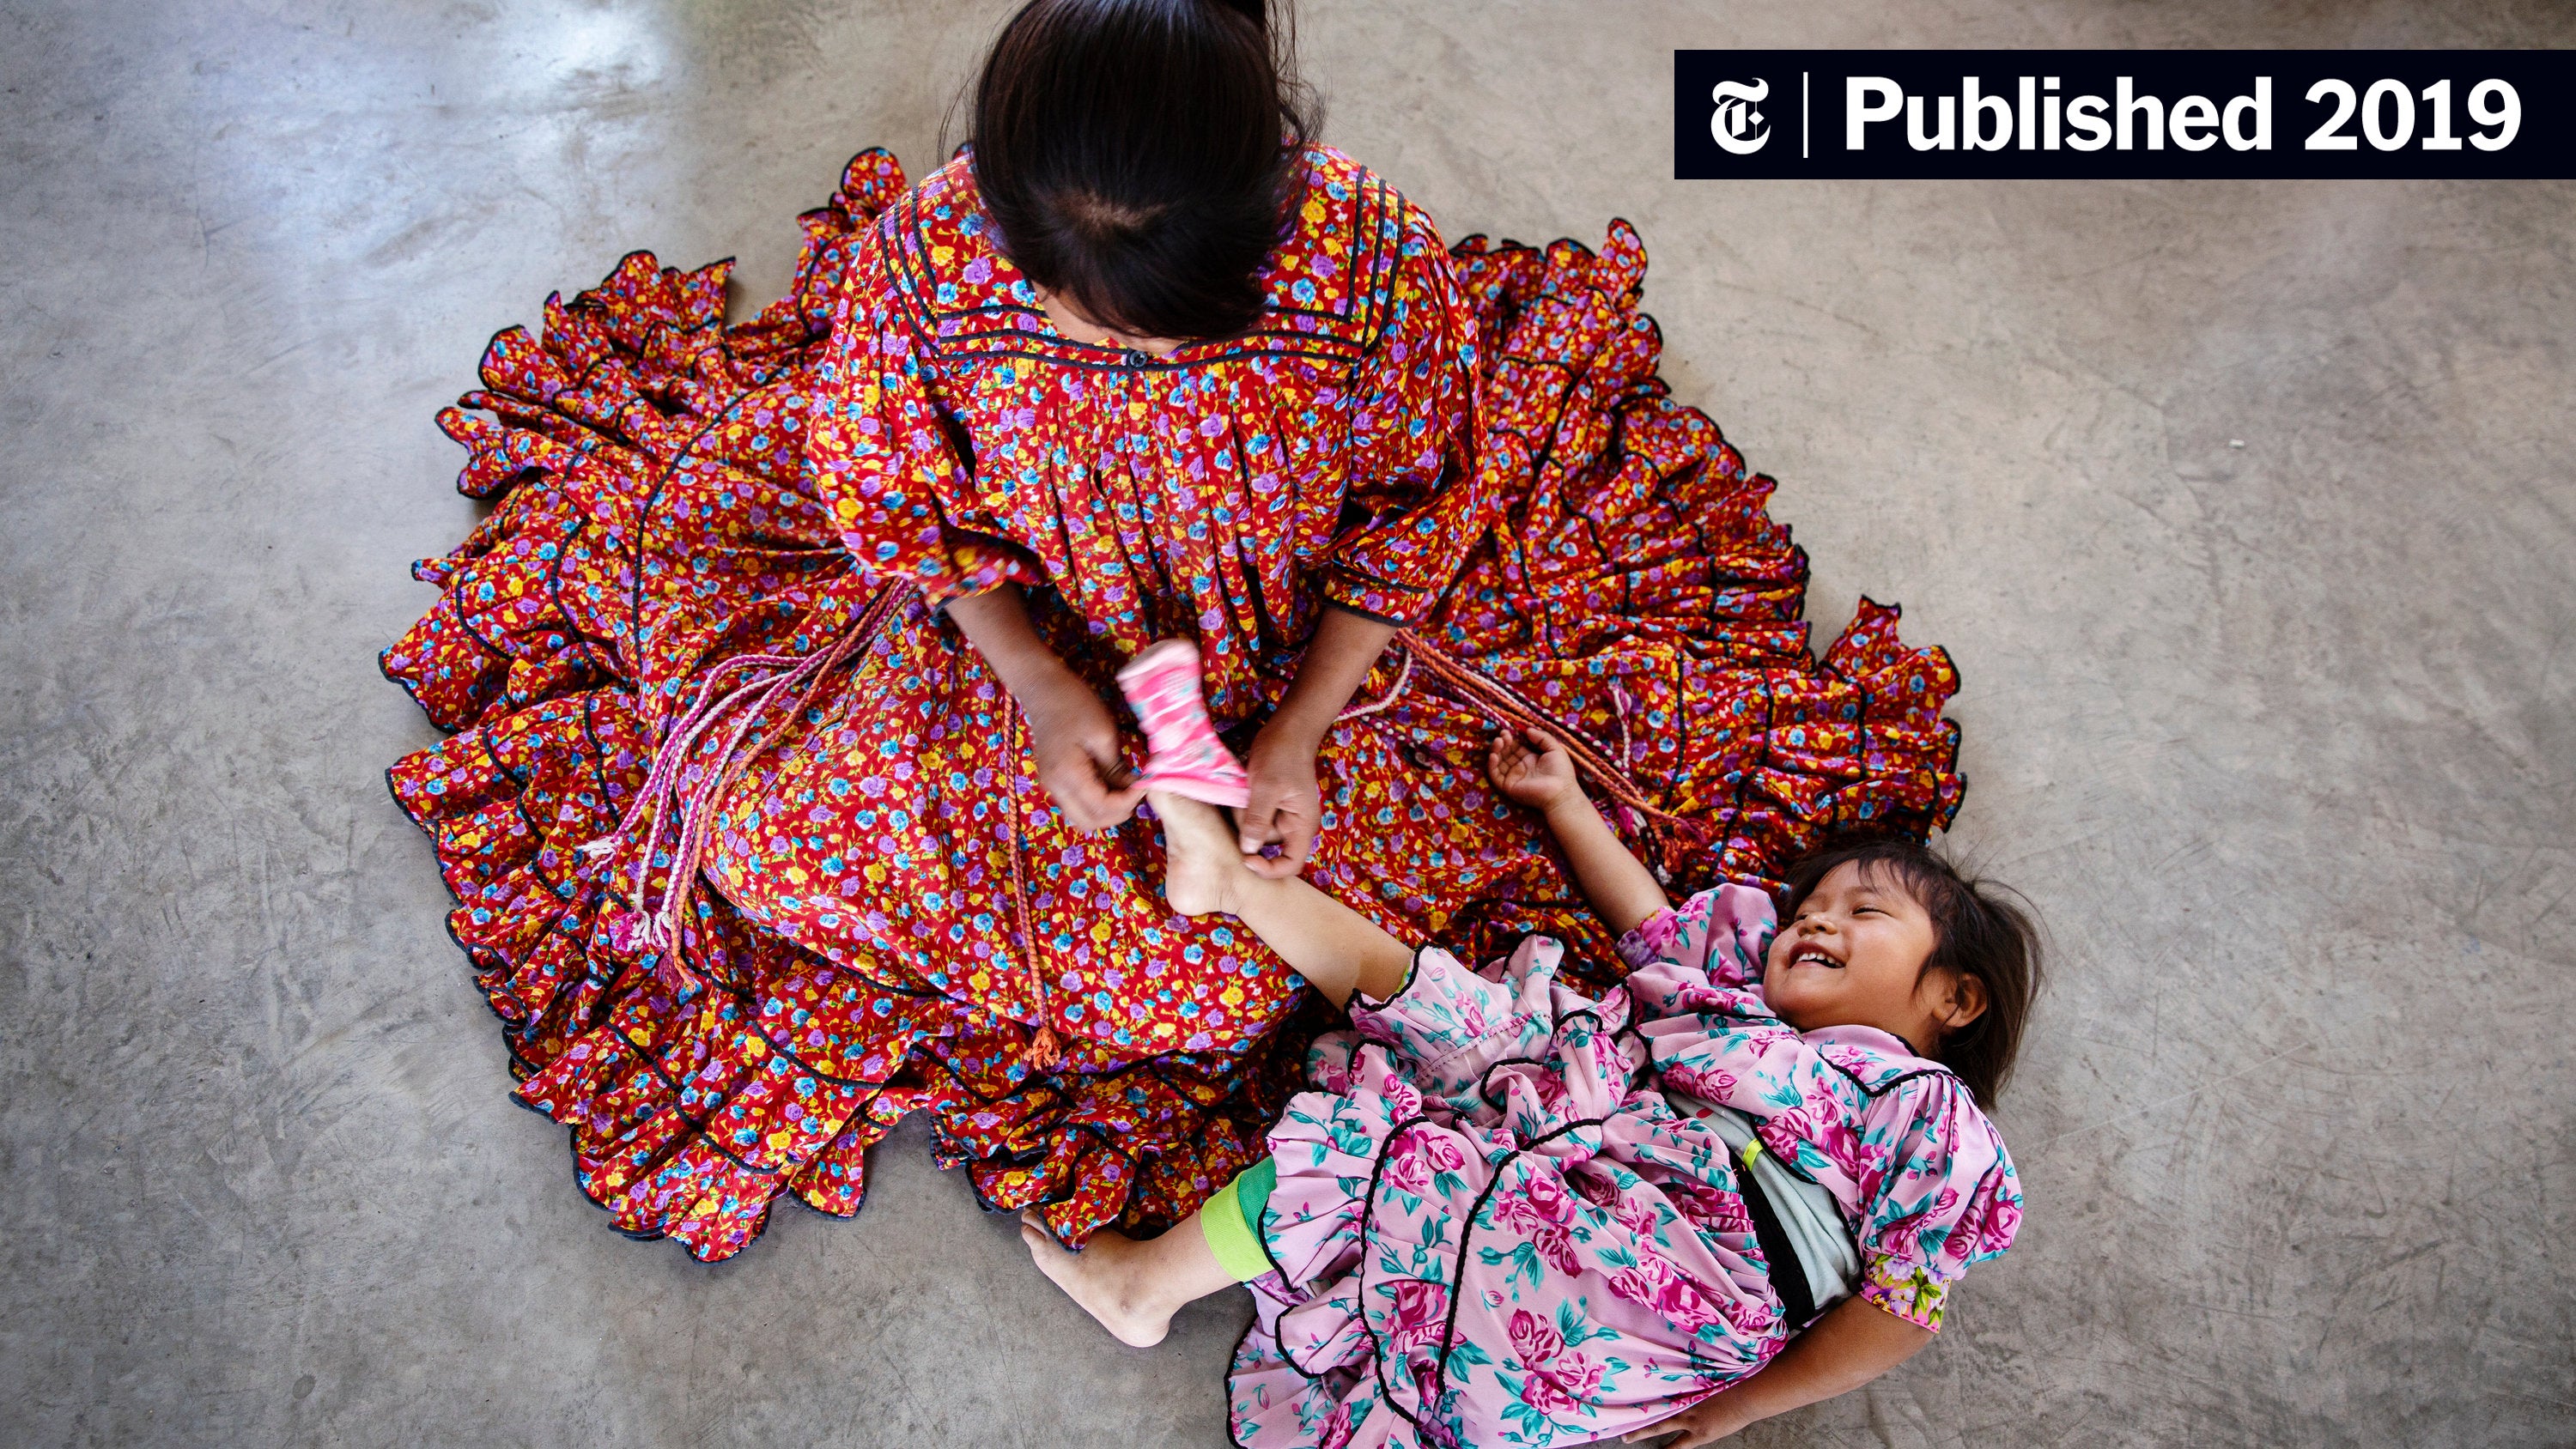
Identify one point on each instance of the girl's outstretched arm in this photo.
(1536, 771)
(1854, 1342)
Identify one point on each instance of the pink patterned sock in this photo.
(1184, 755)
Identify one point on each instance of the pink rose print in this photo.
(1659, 932)
(1731, 1216)
(1593, 1188)
(1711, 1083)
(1704, 1206)
(1335, 1431)
(1419, 1308)
(1534, 1339)
(1547, 1198)
(1834, 1137)
(1471, 1017)
(1633, 1285)
(1551, 1090)
(1405, 1170)
(1541, 1393)
(1636, 1217)
(1655, 1283)
(1556, 1245)
(1558, 1381)
(1579, 1378)
(1442, 1153)
(1375, 1072)
(2000, 1224)
(1402, 1099)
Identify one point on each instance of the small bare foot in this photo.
(1203, 866)
(1104, 1278)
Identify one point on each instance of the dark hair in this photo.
(1975, 932)
(1143, 157)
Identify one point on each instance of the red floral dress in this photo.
(1470, 443)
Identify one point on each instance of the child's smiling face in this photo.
(1853, 956)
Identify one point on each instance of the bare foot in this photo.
(1203, 866)
(1106, 1278)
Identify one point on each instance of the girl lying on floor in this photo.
(1514, 1215)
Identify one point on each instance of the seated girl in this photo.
(1740, 1182)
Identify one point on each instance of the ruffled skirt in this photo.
(859, 957)
(1488, 1228)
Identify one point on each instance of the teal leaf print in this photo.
(1570, 1321)
(1523, 1258)
(1533, 1425)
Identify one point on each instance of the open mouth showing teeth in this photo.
(1814, 958)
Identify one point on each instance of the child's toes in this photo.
(1033, 1232)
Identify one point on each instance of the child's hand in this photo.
(1532, 769)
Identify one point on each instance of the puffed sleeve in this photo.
(1717, 938)
(886, 459)
(1411, 465)
(1948, 1198)
(1695, 986)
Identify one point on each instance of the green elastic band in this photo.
(1231, 1222)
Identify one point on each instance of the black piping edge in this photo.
(413, 694)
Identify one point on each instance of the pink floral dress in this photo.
(1491, 1227)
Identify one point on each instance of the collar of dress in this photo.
(1887, 1044)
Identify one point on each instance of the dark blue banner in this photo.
(2271, 114)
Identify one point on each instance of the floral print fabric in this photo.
(1220, 492)
(1491, 1226)
(1913, 1164)
(1489, 1229)
(1471, 440)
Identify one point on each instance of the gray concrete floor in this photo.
(2279, 734)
